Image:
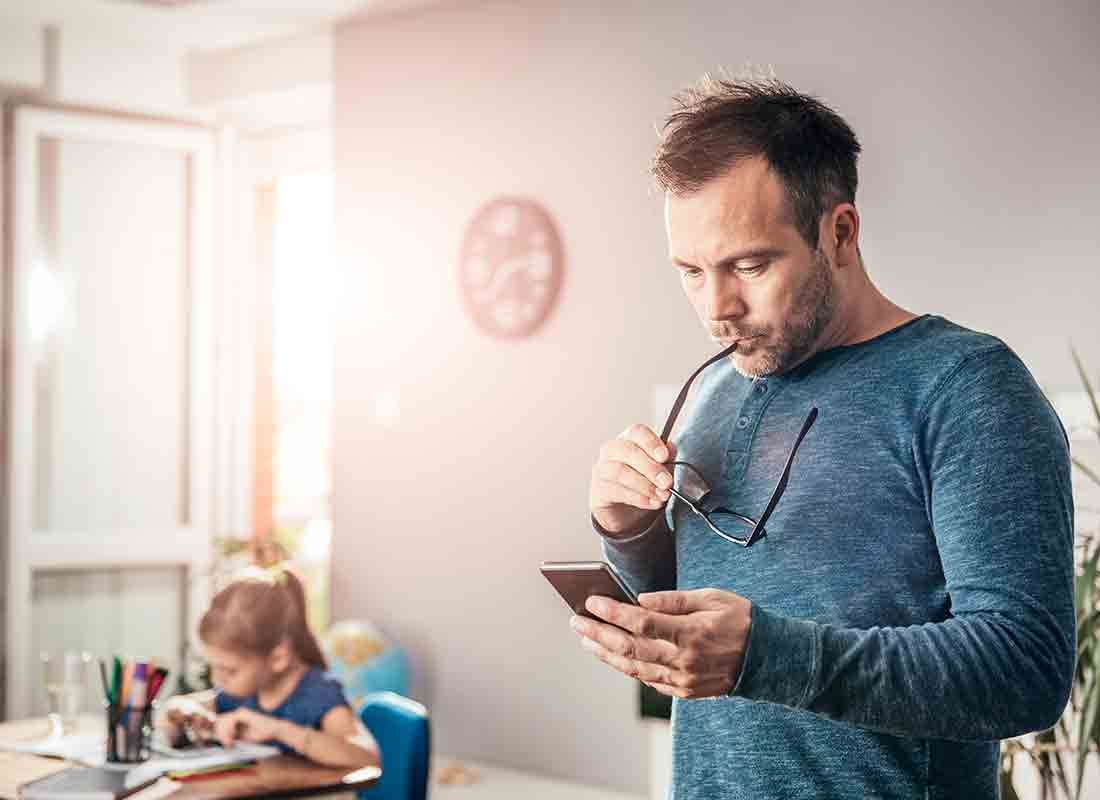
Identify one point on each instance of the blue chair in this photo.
(400, 726)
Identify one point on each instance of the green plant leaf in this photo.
(1085, 468)
(1063, 729)
(1053, 770)
(1090, 704)
(1088, 385)
(1063, 773)
(1080, 588)
(1085, 586)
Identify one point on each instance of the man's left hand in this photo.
(685, 644)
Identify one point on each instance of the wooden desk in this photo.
(283, 776)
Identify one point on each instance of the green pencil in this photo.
(116, 680)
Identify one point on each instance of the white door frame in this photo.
(187, 546)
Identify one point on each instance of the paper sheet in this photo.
(89, 749)
(85, 748)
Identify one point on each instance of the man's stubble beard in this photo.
(814, 307)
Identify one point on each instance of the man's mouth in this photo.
(726, 341)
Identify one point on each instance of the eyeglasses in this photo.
(691, 488)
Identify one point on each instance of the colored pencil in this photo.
(106, 685)
(116, 680)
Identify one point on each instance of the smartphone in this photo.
(576, 581)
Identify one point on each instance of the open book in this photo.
(88, 749)
(196, 758)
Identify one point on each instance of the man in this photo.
(909, 601)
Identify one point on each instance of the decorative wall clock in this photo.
(510, 268)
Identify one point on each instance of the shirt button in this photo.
(743, 422)
(761, 387)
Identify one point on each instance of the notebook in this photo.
(83, 783)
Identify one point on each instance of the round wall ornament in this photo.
(510, 267)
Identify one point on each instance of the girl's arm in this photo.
(341, 742)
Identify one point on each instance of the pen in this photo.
(127, 678)
(103, 678)
(163, 673)
(116, 681)
(155, 681)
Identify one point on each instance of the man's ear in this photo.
(843, 232)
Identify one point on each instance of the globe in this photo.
(364, 660)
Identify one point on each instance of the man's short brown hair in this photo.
(811, 149)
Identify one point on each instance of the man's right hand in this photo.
(630, 481)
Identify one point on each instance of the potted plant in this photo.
(1059, 754)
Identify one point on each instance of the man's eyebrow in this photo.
(733, 259)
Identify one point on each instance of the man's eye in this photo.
(690, 273)
(752, 269)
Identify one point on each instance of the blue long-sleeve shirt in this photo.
(913, 597)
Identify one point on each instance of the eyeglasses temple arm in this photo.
(675, 412)
(782, 485)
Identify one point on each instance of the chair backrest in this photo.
(401, 728)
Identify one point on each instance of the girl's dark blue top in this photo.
(316, 694)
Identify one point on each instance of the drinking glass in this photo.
(64, 679)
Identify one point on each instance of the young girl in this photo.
(270, 678)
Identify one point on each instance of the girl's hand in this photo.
(186, 723)
(246, 725)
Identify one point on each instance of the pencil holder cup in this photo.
(129, 734)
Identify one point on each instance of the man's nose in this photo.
(724, 301)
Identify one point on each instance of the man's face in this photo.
(749, 274)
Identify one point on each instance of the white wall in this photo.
(22, 64)
(101, 68)
(92, 65)
(978, 193)
(280, 87)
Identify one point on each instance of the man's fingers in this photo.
(639, 458)
(614, 640)
(628, 472)
(626, 475)
(639, 621)
(678, 602)
(645, 671)
(645, 437)
(606, 494)
(665, 679)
